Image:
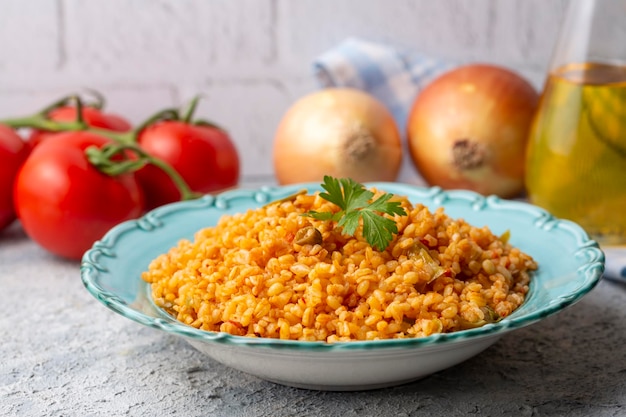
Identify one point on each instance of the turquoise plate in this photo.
(570, 265)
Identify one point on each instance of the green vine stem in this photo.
(41, 120)
(104, 159)
(163, 115)
(189, 113)
(99, 101)
(191, 109)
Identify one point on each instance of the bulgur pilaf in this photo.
(269, 273)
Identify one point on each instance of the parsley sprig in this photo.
(355, 202)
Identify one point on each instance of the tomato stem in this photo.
(55, 105)
(99, 102)
(39, 121)
(124, 138)
(186, 193)
(104, 160)
(79, 111)
(166, 114)
(189, 112)
(191, 109)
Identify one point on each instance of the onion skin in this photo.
(468, 129)
(342, 132)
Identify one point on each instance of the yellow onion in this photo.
(468, 129)
(340, 132)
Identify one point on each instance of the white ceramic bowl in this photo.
(570, 265)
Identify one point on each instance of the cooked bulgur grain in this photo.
(250, 276)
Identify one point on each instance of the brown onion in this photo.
(468, 129)
(340, 132)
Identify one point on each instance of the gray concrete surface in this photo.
(62, 353)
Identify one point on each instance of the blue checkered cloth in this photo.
(392, 75)
(396, 76)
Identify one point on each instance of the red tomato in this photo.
(64, 203)
(204, 156)
(92, 116)
(13, 152)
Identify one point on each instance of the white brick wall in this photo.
(250, 58)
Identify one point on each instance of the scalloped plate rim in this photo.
(91, 266)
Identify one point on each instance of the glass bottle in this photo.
(576, 159)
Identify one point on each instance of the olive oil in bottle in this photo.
(576, 159)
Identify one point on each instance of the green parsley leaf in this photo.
(378, 230)
(355, 202)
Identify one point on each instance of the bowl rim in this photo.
(589, 271)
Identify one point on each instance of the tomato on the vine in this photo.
(203, 155)
(13, 152)
(64, 203)
(92, 116)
